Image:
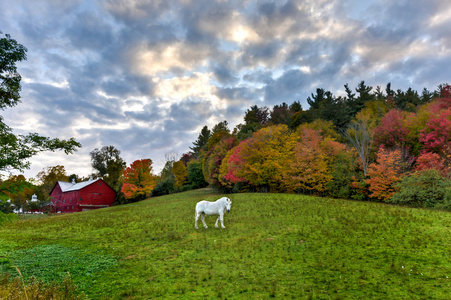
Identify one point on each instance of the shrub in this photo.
(164, 187)
(426, 188)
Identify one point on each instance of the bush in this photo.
(425, 188)
(164, 187)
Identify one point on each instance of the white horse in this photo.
(213, 208)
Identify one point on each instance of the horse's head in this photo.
(228, 204)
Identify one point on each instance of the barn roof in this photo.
(68, 186)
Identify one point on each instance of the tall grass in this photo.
(275, 245)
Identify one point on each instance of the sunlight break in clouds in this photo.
(197, 85)
(177, 57)
(128, 72)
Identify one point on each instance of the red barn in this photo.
(86, 195)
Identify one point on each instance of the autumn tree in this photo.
(138, 180)
(234, 163)
(180, 173)
(431, 161)
(436, 137)
(213, 159)
(325, 128)
(224, 170)
(393, 131)
(186, 157)
(385, 173)
(310, 169)
(262, 158)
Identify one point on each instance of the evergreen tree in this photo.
(201, 141)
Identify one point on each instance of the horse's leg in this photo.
(203, 220)
(217, 220)
(221, 217)
(197, 218)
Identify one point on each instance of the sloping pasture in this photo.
(275, 245)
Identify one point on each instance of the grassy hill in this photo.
(275, 245)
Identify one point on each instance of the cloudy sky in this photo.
(146, 75)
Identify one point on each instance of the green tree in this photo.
(48, 177)
(281, 114)
(109, 165)
(10, 53)
(17, 149)
(357, 104)
(195, 175)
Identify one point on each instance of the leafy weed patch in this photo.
(53, 263)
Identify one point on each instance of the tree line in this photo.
(373, 143)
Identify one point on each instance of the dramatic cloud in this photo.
(146, 75)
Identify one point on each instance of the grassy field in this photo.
(275, 245)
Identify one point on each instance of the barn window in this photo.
(80, 199)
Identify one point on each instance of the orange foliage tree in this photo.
(138, 180)
(385, 173)
(310, 168)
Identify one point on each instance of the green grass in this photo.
(275, 245)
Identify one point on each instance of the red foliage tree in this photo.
(436, 137)
(235, 164)
(392, 131)
(213, 159)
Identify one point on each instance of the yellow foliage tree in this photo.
(180, 172)
(265, 156)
